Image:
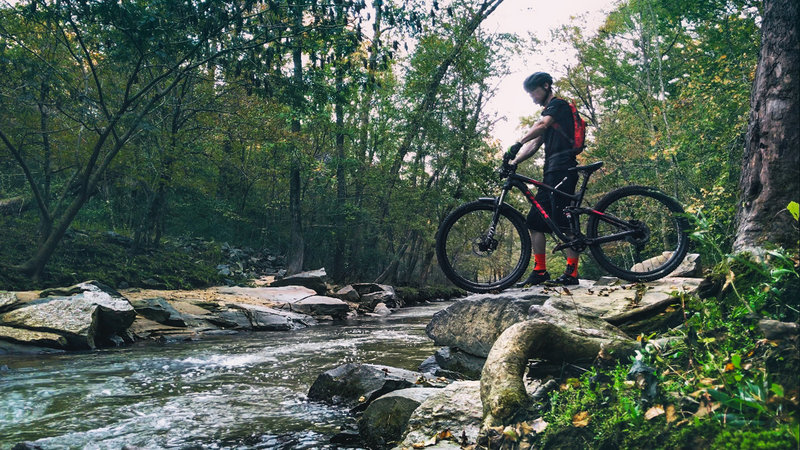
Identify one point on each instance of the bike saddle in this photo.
(588, 168)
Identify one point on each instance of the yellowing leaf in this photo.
(671, 416)
(581, 419)
(654, 412)
(362, 399)
(446, 434)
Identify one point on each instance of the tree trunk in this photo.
(771, 163)
(296, 241)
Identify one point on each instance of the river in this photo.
(221, 392)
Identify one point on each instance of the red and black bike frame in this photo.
(578, 240)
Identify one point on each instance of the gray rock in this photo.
(86, 320)
(371, 294)
(34, 338)
(315, 279)
(382, 310)
(384, 420)
(454, 360)
(261, 318)
(159, 310)
(473, 324)
(348, 293)
(689, 267)
(319, 305)
(357, 385)
(457, 408)
(8, 300)
(270, 295)
(775, 329)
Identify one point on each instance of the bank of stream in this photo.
(237, 391)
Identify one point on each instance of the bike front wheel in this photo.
(652, 239)
(479, 259)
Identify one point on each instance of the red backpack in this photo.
(578, 141)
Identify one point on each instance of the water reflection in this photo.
(243, 391)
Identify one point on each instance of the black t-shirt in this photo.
(558, 152)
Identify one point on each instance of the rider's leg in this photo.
(539, 273)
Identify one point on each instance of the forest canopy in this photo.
(341, 133)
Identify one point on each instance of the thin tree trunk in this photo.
(296, 241)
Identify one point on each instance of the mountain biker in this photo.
(558, 157)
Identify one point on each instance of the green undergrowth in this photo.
(83, 256)
(714, 382)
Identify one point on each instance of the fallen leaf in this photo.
(706, 408)
(729, 367)
(539, 425)
(362, 399)
(654, 412)
(446, 434)
(511, 433)
(523, 428)
(671, 416)
(581, 419)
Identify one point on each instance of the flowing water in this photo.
(240, 391)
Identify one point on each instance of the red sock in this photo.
(572, 267)
(539, 259)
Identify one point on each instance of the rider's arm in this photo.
(534, 135)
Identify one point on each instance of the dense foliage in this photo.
(339, 134)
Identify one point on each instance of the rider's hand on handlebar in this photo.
(506, 169)
(512, 152)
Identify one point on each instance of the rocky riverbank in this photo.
(93, 315)
(503, 355)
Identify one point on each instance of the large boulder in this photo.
(384, 420)
(456, 407)
(314, 279)
(473, 324)
(92, 316)
(357, 385)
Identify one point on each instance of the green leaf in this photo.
(736, 360)
(776, 389)
(794, 208)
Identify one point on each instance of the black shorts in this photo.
(553, 204)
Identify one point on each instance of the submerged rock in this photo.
(357, 385)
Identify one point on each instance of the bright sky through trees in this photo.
(538, 17)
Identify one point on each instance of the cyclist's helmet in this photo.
(536, 80)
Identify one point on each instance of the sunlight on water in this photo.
(241, 391)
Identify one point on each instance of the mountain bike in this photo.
(636, 233)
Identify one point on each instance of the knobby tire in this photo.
(479, 271)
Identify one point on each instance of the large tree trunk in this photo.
(771, 165)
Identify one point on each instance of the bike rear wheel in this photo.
(659, 242)
(476, 263)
